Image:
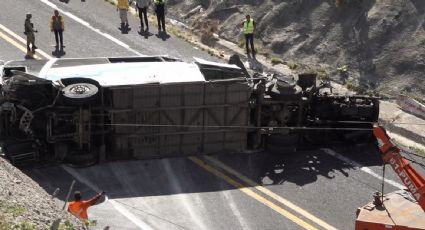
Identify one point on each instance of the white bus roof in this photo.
(116, 74)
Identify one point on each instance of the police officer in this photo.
(160, 14)
(248, 28)
(142, 7)
(29, 32)
(57, 25)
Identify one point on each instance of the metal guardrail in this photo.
(411, 105)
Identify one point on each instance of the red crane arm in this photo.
(411, 178)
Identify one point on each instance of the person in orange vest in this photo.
(79, 207)
(57, 25)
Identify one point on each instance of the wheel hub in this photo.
(79, 89)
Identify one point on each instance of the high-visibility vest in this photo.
(79, 209)
(159, 2)
(123, 4)
(58, 19)
(248, 27)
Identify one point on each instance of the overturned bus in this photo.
(82, 111)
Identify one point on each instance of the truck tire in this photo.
(80, 94)
(75, 80)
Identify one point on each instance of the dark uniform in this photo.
(160, 14)
(142, 6)
(29, 32)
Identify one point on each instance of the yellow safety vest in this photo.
(157, 2)
(53, 19)
(248, 27)
(123, 4)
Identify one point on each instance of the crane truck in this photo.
(400, 210)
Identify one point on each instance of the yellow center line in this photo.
(271, 194)
(22, 40)
(17, 45)
(252, 194)
(17, 37)
(242, 188)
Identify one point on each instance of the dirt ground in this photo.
(25, 205)
(382, 43)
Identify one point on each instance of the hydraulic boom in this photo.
(397, 210)
(411, 178)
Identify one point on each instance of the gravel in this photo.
(25, 204)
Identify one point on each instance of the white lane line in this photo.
(77, 19)
(46, 68)
(108, 36)
(269, 193)
(231, 202)
(86, 24)
(130, 216)
(174, 181)
(361, 167)
(22, 40)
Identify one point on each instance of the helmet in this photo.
(77, 195)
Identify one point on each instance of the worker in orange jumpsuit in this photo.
(79, 207)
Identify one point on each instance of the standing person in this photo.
(142, 7)
(123, 7)
(248, 28)
(160, 14)
(57, 25)
(29, 32)
(79, 207)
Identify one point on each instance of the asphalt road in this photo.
(201, 193)
(312, 189)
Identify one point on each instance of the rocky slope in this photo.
(382, 42)
(25, 205)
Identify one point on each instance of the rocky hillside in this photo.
(382, 42)
(25, 205)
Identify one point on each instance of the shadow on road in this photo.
(145, 34)
(159, 177)
(124, 29)
(29, 56)
(58, 52)
(254, 64)
(163, 35)
(300, 170)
